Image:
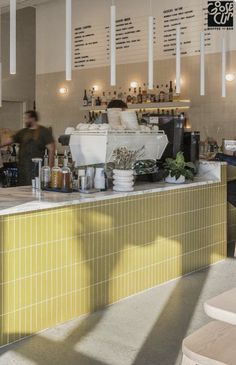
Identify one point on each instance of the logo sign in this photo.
(221, 14)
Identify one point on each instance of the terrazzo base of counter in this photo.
(58, 264)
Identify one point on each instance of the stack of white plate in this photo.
(123, 180)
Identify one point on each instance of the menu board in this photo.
(92, 41)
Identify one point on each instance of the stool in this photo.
(213, 344)
(222, 307)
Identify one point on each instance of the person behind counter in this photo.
(32, 140)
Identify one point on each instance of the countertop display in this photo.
(24, 199)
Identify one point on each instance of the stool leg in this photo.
(186, 361)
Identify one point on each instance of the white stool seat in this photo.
(213, 344)
(222, 307)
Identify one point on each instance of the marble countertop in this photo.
(24, 199)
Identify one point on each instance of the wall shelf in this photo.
(183, 104)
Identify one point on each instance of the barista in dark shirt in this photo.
(32, 140)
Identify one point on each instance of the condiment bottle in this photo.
(66, 183)
(45, 172)
(56, 175)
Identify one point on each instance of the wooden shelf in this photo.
(183, 104)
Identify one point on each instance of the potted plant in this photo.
(123, 172)
(177, 170)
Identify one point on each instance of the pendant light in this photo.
(12, 37)
(202, 64)
(68, 40)
(178, 61)
(150, 49)
(113, 44)
(223, 69)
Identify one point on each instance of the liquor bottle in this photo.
(85, 99)
(140, 96)
(124, 97)
(56, 174)
(171, 93)
(167, 93)
(93, 98)
(158, 94)
(98, 101)
(45, 172)
(90, 98)
(120, 94)
(162, 95)
(148, 98)
(66, 181)
(104, 99)
(129, 97)
(134, 98)
(176, 96)
(109, 97)
(114, 96)
(144, 94)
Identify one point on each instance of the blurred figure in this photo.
(32, 140)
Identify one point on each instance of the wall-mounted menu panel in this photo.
(91, 41)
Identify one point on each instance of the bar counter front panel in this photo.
(58, 264)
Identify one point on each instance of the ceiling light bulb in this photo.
(95, 88)
(230, 77)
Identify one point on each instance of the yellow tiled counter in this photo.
(231, 175)
(60, 263)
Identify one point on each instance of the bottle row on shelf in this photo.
(134, 96)
(98, 117)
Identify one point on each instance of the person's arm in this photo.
(51, 153)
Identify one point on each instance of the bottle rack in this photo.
(182, 104)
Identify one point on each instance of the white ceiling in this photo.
(4, 4)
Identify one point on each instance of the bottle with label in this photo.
(45, 173)
(114, 96)
(124, 97)
(129, 97)
(93, 98)
(171, 92)
(90, 98)
(98, 101)
(134, 98)
(103, 99)
(167, 93)
(140, 96)
(144, 94)
(85, 99)
(158, 94)
(66, 181)
(176, 97)
(109, 97)
(162, 95)
(120, 94)
(56, 175)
